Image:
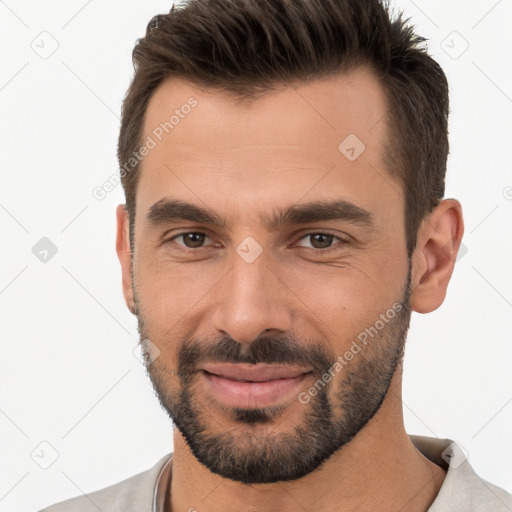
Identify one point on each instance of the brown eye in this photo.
(191, 240)
(320, 241)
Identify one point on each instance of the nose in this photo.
(250, 300)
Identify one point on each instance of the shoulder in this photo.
(136, 493)
(462, 490)
(465, 491)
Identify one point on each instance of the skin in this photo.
(243, 161)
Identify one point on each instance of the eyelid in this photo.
(341, 240)
(334, 247)
(182, 233)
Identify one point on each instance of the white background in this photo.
(68, 374)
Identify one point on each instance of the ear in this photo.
(438, 242)
(124, 254)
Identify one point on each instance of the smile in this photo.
(252, 386)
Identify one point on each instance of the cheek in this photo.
(172, 295)
(342, 302)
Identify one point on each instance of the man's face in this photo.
(250, 309)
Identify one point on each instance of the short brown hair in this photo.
(248, 47)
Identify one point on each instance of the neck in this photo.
(379, 469)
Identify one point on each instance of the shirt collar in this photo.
(161, 493)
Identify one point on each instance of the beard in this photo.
(245, 445)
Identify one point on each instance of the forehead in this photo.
(326, 138)
(353, 102)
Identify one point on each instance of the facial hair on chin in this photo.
(250, 451)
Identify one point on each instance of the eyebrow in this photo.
(171, 210)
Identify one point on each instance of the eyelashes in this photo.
(204, 236)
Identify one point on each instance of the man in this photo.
(283, 163)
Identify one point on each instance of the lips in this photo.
(252, 386)
(253, 373)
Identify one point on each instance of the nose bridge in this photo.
(250, 300)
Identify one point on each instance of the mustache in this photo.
(269, 350)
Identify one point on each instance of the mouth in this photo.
(253, 372)
(252, 386)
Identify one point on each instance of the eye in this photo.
(321, 241)
(192, 240)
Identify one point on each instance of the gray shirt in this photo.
(462, 489)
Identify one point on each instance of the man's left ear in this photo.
(439, 238)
